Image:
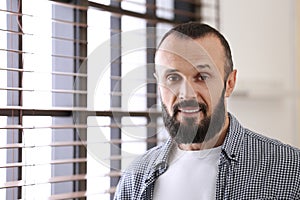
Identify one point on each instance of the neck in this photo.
(213, 142)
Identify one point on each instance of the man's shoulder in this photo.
(263, 167)
(274, 150)
(256, 143)
(258, 139)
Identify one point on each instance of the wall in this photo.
(262, 35)
(298, 64)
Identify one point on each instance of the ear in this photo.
(230, 83)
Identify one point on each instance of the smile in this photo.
(189, 110)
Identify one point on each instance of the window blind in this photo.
(78, 104)
(43, 42)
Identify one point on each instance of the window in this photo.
(44, 43)
(79, 100)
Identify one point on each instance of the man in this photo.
(209, 154)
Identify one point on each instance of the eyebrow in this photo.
(203, 66)
(168, 71)
(198, 67)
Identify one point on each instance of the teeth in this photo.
(190, 111)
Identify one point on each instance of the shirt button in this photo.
(161, 166)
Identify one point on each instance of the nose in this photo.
(186, 91)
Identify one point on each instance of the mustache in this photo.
(189, 103)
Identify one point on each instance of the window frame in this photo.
(80, 13)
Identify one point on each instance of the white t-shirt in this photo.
(191, 175)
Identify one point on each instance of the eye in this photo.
(202, 77)
(173, 77)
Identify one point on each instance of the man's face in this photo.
(191, 81)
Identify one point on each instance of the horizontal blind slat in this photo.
(69, 39)
(15, 32)
(80, 194)
(82, 126)
(39, 90)
(69, 57)
(118, 13)
(70, 5)
(15, 13)
(79, 143)
(83, 25)
(154, 7)
(57, 179)
(44, 72)
(15, 51)
(52, 162)
(67, 111)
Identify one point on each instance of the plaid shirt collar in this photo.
(234, 139)
(230, 149)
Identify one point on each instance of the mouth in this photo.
(185, 114)
(189, 110)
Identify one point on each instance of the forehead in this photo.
(176, 51)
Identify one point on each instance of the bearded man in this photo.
(209, 155)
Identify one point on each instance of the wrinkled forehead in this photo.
(178, 50)
(182, 48)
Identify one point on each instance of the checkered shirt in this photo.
(251, 166)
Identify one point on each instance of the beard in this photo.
(189, 131)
